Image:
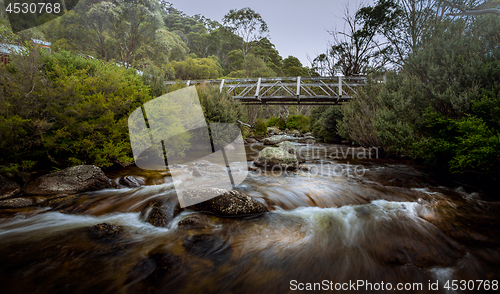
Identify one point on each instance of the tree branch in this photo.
(485, 8)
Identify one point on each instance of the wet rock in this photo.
(131, 182)
(209, 247)
(203, 162)
(105, 233)
(345, 142)
(308, 134)
(305, 168)
(271, 157)
(294, 132)
(273, 140)
(75, 179)
(292, 149)
(209, 171)
(8, 188)
(307, 140)
(161, 213)
(273, 131)
(253, 168)
(194, 221)
(62, 200)
(16, 202)
(229, 204)
(251, 140)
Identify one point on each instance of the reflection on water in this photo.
(392, 224)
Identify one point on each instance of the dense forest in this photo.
(440, 104)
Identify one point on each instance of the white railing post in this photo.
(258, 89)
(221, 86)
(340, 86)
(298, 89)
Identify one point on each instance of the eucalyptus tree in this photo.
(247, 24)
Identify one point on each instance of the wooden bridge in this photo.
(290, 90)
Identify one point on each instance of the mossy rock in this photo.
(271, 157)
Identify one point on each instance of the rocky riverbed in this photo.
(339, 214)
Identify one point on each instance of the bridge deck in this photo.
(290, 90)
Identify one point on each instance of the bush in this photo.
(324, 122)
(260, 128)
(73, 111)
(298, 122)
(276, 122)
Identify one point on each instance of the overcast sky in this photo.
(297, 28)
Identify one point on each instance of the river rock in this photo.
(160, 213)
(105, 233)
(273, 131)
(251, 140)
(76, 179)
(16, 202)
(131, 182)
(194, 221)
(228, 204)
(292, 149)
(8, 188)
(307, 140)
(308, 134)
(294, 132)
(276, 156)
(209, 171)
(274, 140)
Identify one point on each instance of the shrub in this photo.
(276, 122)
(260, 127)
(298, 122)
(72, 111)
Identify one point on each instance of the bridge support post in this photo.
(258, 89)
(340, 86)
(221, 86)
(298, 90)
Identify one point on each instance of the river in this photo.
(349, 220)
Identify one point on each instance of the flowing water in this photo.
(349, 219)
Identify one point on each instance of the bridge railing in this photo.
(290, 90)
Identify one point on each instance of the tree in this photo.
(488, 7)
(354, 50)
(247, 24)
(292, 67)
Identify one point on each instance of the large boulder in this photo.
(251, 140)
(228, 204)
(273, 140)
(294, 132)
(8, 188)
(271, 157)
(76, 179)
(292, 149)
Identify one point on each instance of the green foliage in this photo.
(443, 107)
(255, 67)
(218, 106)
(292, 67)
(196, 69)
(463, 146)
(260, 127)
(71, 111)
(276, 122)
(298, 122)
(324, 122)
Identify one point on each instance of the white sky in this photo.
(297, 28)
